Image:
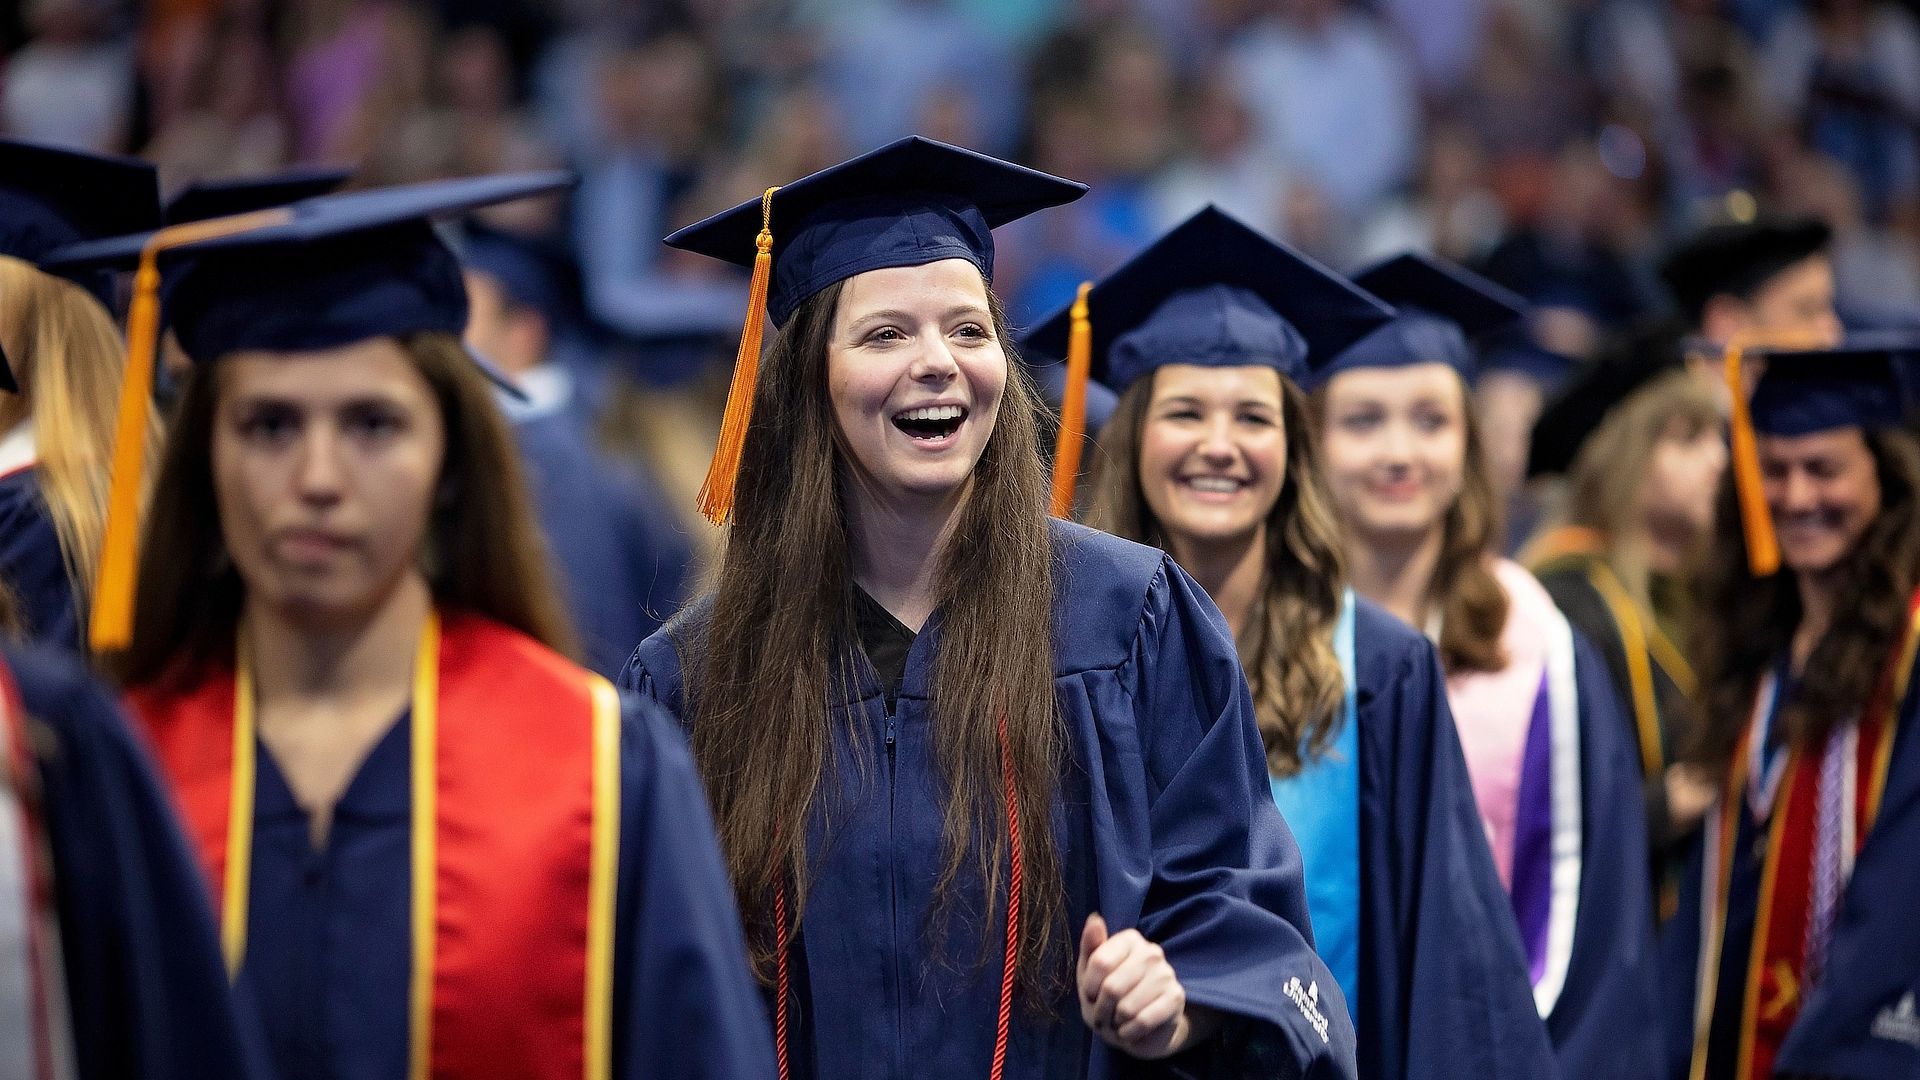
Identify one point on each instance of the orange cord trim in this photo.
(716, 493)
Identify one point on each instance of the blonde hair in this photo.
(67, 357)
(1610, 473)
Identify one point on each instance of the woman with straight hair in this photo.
(62, 373)
(1795, 951)
(989, 785)
(1211, 457)
(436, 845)
(1553, 773)
(1619, 562)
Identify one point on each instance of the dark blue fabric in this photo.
(911, 202)
(1415, 337)
(614, 542)
(1441, 288)
(1163, 823)
(1606, 1023)
(514, 264)
(1209, 326)
(1212, 248)
(1443, 990)
(50, 197)
(205, 199)
(327, 962)
(1857, 385)
(31, 564)
(1857, 1021)
(145, 981)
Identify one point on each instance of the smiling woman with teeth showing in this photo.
(989, 785)
(1210, 455)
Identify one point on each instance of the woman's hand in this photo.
(1131, 998)
(1689, 793)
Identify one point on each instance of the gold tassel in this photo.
(1073, 405)
(716, 493)
(110, 626)
(1763, 547)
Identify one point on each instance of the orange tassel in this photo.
(110, 626)
(1756, 521)
(1073, 406)
(716, 493)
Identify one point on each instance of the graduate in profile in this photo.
(436, 845)
(989, 785)
(1795, 951)
(1211, 456)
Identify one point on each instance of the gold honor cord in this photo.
(1763, 549)
(110, 626)
(1073, 405)
(602, 878)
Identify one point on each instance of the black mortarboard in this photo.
(1215, 293)
(204, 199)
(50, 198)
(1856, 385)
(524, 273)
(908, 203)
(1212, 292)
(1736, 260)
(1440, 306)
(319, 274)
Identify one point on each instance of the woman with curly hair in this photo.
(1211, 456)
(1552, 771)
(1795, 941)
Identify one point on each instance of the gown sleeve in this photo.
(685, 1004)
(1606, 1022)
(1227, 898)
(31, 564)
(1449, 995)
(145, 981)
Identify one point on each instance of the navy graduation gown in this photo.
(1607, 1021)
(1861, 1020)
(31, 564)
(145, 982)
(327, 965)
(1164, 823)
(614, 543)
(1443, 988)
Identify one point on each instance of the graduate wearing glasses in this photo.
(435, 844)
(989, 785)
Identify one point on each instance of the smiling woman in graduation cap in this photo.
(1553, 773)
(1796, 943)
(436, 846)
(989, 785)
(1212, 457)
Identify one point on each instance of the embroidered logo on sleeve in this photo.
(1899, 1023)
(1308, 1001)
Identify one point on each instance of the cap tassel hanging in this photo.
(716, 493)
(110, 626)
(1763, 547)
(1073, 405)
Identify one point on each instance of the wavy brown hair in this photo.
(780, 650)
(483, 550)
(1288, 655)
(1473, 606)
(1744, 621)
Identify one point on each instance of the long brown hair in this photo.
(1610, 473)
(1288, 655)
(1745, 621)
(1472, 605)
(779, 650)
(483, 551)
(67, 358)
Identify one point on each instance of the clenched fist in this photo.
(1130, 996)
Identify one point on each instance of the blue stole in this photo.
(1321, 804)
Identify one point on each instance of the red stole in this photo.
(1777, 966)
(515, 876)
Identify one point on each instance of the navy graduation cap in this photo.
(525, 273)
(50, 198)
(909, 203)
(1441, 306)
(1856, 385)
(205, 199)
(1211, 292)
(321, 273)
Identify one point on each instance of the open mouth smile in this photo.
(932, 422)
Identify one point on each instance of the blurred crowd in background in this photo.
(1560, 146)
